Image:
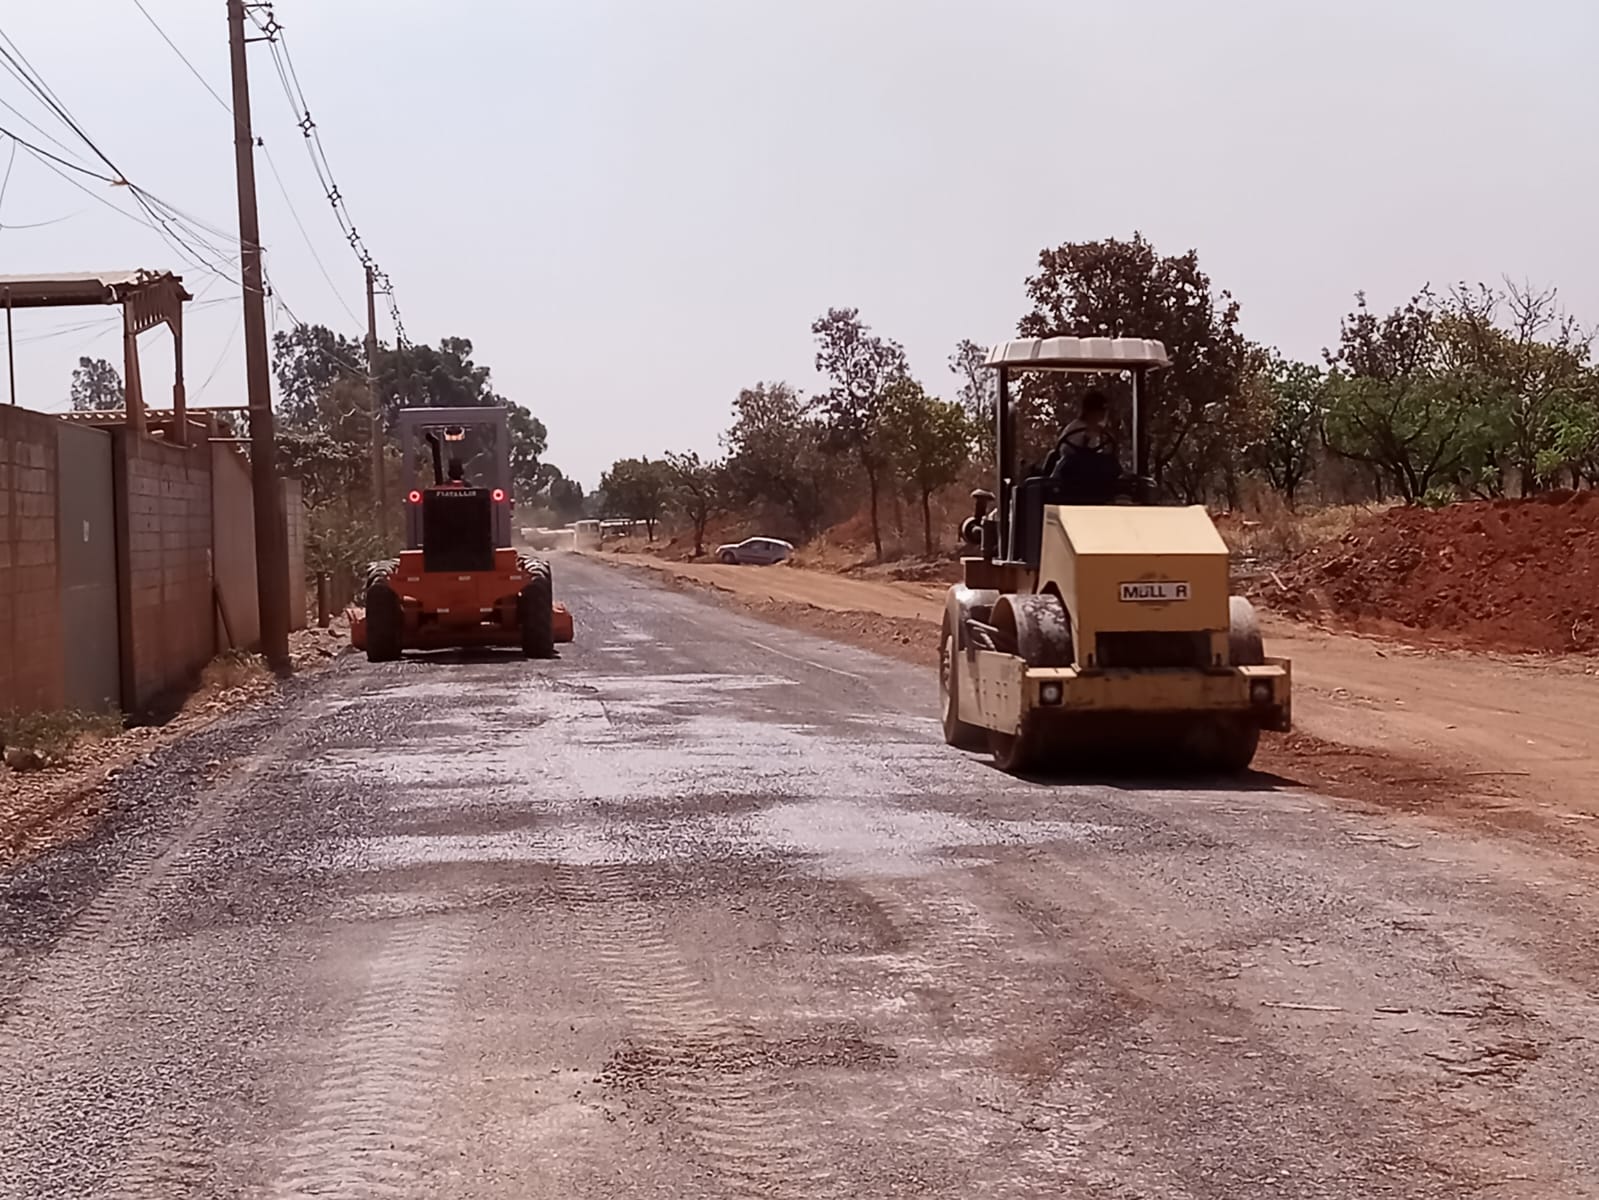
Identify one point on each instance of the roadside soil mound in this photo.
(1508, 575)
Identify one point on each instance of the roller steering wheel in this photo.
(1078, 439)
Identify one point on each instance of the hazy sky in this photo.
(635, 208)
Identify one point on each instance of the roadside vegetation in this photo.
(35, 740)
(1471, 391)
(1467, 392)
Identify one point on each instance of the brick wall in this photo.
(164, 567)
(31, 671)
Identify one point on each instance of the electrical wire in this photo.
(289, 79)
(5, 184)
(42, 224)
(227, 346)
(170, 222)
(193, 70)
(271, 163)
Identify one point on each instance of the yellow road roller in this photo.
(1093, 625)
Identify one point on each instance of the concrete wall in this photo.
(184, 518)
(233, 557)
(164, 567)
(233, 560)
(294, 520)
(31, 670)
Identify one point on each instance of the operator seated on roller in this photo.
(457, 474)
(1085, 463)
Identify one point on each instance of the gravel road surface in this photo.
(707, 909)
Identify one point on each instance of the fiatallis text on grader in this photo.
(459, 582)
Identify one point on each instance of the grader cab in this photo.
(460, 581)
(1093, 626)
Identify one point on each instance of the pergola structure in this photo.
(147, 299)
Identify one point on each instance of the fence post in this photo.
(323, 617)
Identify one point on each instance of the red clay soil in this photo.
(1510, 575)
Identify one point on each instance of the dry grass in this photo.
(53, 736)
(233, 669)
(1266, 530)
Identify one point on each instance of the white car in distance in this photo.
(755, 551)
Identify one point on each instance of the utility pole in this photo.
(271, 535)
(378, 497)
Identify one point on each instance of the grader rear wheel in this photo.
(384, 622)
(536, 614)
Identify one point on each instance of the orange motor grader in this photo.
(459, 582)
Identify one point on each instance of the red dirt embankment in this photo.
(1512, 575)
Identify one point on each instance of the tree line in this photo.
(1480, 390)
(1472, 391)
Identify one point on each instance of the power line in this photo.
(170, 222)
(193, 70)
(5, 184)
(42, 224)
(282, 188)
(227, 346)
(57, 159)
(309, 245)
(289, 79)
(28, 121)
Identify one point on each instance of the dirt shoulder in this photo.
(1499, 741)
(41, 809)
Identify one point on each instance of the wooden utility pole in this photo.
(271, 534)
(378, 496)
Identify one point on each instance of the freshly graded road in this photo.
(707, 909)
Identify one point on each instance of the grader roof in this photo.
(1078, 354)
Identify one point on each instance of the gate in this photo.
(88, 554)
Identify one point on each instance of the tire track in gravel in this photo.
(56, 1081)
(708, 1067)
(366, 1131)
(71, 979)
(963, 972)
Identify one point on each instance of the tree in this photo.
(637, 489)
(1116, 288)
(699, 490)
(1296, 405)
(979, 387)
(1530, 360)
(1576, 433)
(312, 361)
(96, 386)
(931, 441)
(775, 455)
(863, 368)
(528, 441)
(309, 360)
(565, 498)
(1396, 402)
